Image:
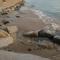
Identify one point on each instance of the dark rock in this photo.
(49, 31)
(17, 16)
(45, 34)
(5, 13)
(5, 22)
(56, 39)
(29, 49)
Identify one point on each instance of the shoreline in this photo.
(27, 20)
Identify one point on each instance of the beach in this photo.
(26, 20)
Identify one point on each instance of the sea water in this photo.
(49, 8)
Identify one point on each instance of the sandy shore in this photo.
(26, 20)
(4, 55)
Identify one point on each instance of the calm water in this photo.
(48, 7)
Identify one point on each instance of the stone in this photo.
(49, 30)
(17, 16)
(5, 38)
(12, 29)
(56, 39)
(5, 22)
(5, 5)
(4, 13)
(3, 27)
(42, 33)
(30, 34)
(3, 34)
(6, 41)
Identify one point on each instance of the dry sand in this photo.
(4, 55)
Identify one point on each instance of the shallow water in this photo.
(48, 7)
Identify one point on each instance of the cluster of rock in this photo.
(7, 35)
(16, 6)
(50, 31)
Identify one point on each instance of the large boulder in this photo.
(56, 39)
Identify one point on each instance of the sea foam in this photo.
(46, 19)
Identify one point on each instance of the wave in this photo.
(46, 19)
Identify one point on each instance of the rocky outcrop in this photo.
(47, 31)
(50, 31)
(7, 35)
(10, 5)
(43, 34)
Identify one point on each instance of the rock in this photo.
(17, 16)
(3, 27)
(30, 34)
(49, 31)
(5, 38)
(56, 39)
(52, 32)
(3, 34)
(4, 13)
(42, 33)
(5, 22)
(6, 41)
(12, 29)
